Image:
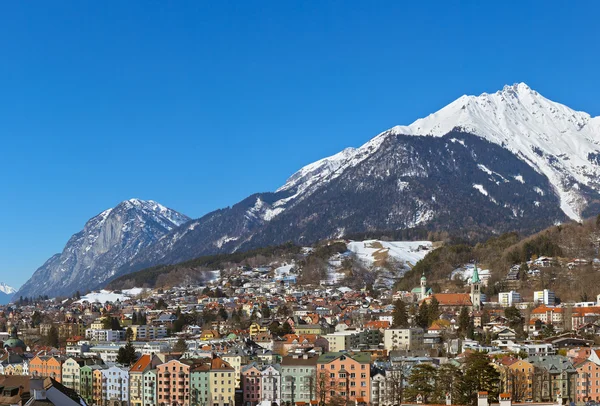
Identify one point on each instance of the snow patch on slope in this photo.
(408, 252)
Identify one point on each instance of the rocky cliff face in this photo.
(106, 242)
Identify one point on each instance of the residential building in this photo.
(200, 383)
(222, 382)
(136, 379)
(251, 384)
(508, 299)
(46, 366)
(554, 375)
(298, 378)
(115, 384)
(271, 384)
(545, 297)
(71, 373)
(344, 376)
(403, 339)
(173, 383)
(150, 382)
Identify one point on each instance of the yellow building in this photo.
(222, 383)
(255, 329)
(235, 361)
(98, 324)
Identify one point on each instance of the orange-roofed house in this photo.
(377, 325)
(136, 377)
(548, 315)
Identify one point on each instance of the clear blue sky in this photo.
(199, 104)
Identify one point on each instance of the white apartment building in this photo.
(508, 299)
(545, 296)
(403, 338)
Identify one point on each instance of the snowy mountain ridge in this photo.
(4, 288)
(557, 141)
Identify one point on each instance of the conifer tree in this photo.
(399, 314)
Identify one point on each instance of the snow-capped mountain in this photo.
(4, 288)
(6, 293)
(511, 160)
(107, 241)
(558, 142)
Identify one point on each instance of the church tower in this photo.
(476, 290)
(423, 286)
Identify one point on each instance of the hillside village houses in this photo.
(278, 342)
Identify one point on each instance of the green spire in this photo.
(475, 278)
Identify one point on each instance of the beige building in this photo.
(403, 338)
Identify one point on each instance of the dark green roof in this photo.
(360, 357)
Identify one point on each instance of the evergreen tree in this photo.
(107, 322)
(223, 314)
(52, 337)
(434, 310)
(127, 355)
(400, 317)
(478, 375)
(180, 346)
(160, 304)
(421, 381)
(448, 381)
(236, 317)
(286, 329)
(128, 334)
(114, 324)
(134, 319)
(464, 319)
(422, 319)
(208, 315)
(265, 310)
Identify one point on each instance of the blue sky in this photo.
(199, 104)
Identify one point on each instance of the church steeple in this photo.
(475, 289)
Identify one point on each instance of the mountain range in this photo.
(510, 160)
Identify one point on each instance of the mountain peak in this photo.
(554, 139)
(107, 241)
(4, 288)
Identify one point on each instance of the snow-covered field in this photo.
(104, 296)
(466, 273)
(373, 251)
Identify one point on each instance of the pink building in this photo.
(251, 385)
(173, 383)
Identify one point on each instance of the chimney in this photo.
(39, 394)
(482, 399)
(505, 399)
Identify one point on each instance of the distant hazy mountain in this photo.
(107, 241)
(6, 293)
